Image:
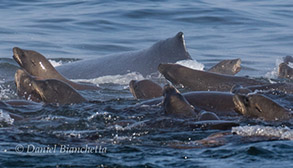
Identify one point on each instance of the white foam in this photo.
(283, 133)
(4, 93)
(5, 117)
(274, 73)
(97, 114)
(129, 127)
(115, 79)
(55, 63)
(193, 64)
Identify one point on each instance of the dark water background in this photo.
(258, 32)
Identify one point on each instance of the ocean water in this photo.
(115, 132)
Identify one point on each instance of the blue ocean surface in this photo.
(108, 133)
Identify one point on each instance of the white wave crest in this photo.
(193, 64)
(283, 133)
(115, 79)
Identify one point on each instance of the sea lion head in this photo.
(176, 105)
(24, 86)
(47, 91)
(33, 62)
(171, 71)
(234, 64)
(260, 106)
(145, 89)
(169, 89)
(228, 67)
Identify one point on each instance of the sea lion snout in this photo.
(161, 67)
(240, 102)
(237, 66)
(132, 87)
(17, 54)
(169, 89)
(20, 75)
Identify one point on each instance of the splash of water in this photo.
(4, 92)
(115, 79)
(55, 63)
(5, 117)
(274, 73)
(193, 64)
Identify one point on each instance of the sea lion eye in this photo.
(258, 109)
(246, 100)
(33, 62)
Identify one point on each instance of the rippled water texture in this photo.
(258, 32)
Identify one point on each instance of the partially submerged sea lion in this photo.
(221, 103)
(228, 67)
(48, 91)
(202, 81)
(145, 61)
(260, 106)
(145, 89)
(37, 65)
(175, 104)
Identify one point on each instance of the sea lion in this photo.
(144, 62)
(228, 67)
(145, 89)
(285, 71)
(47, 91)
(202, 81)
(221, 103)
(175, 104)
(37, 65)
(260, 106)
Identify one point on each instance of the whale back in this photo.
(144, 61)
